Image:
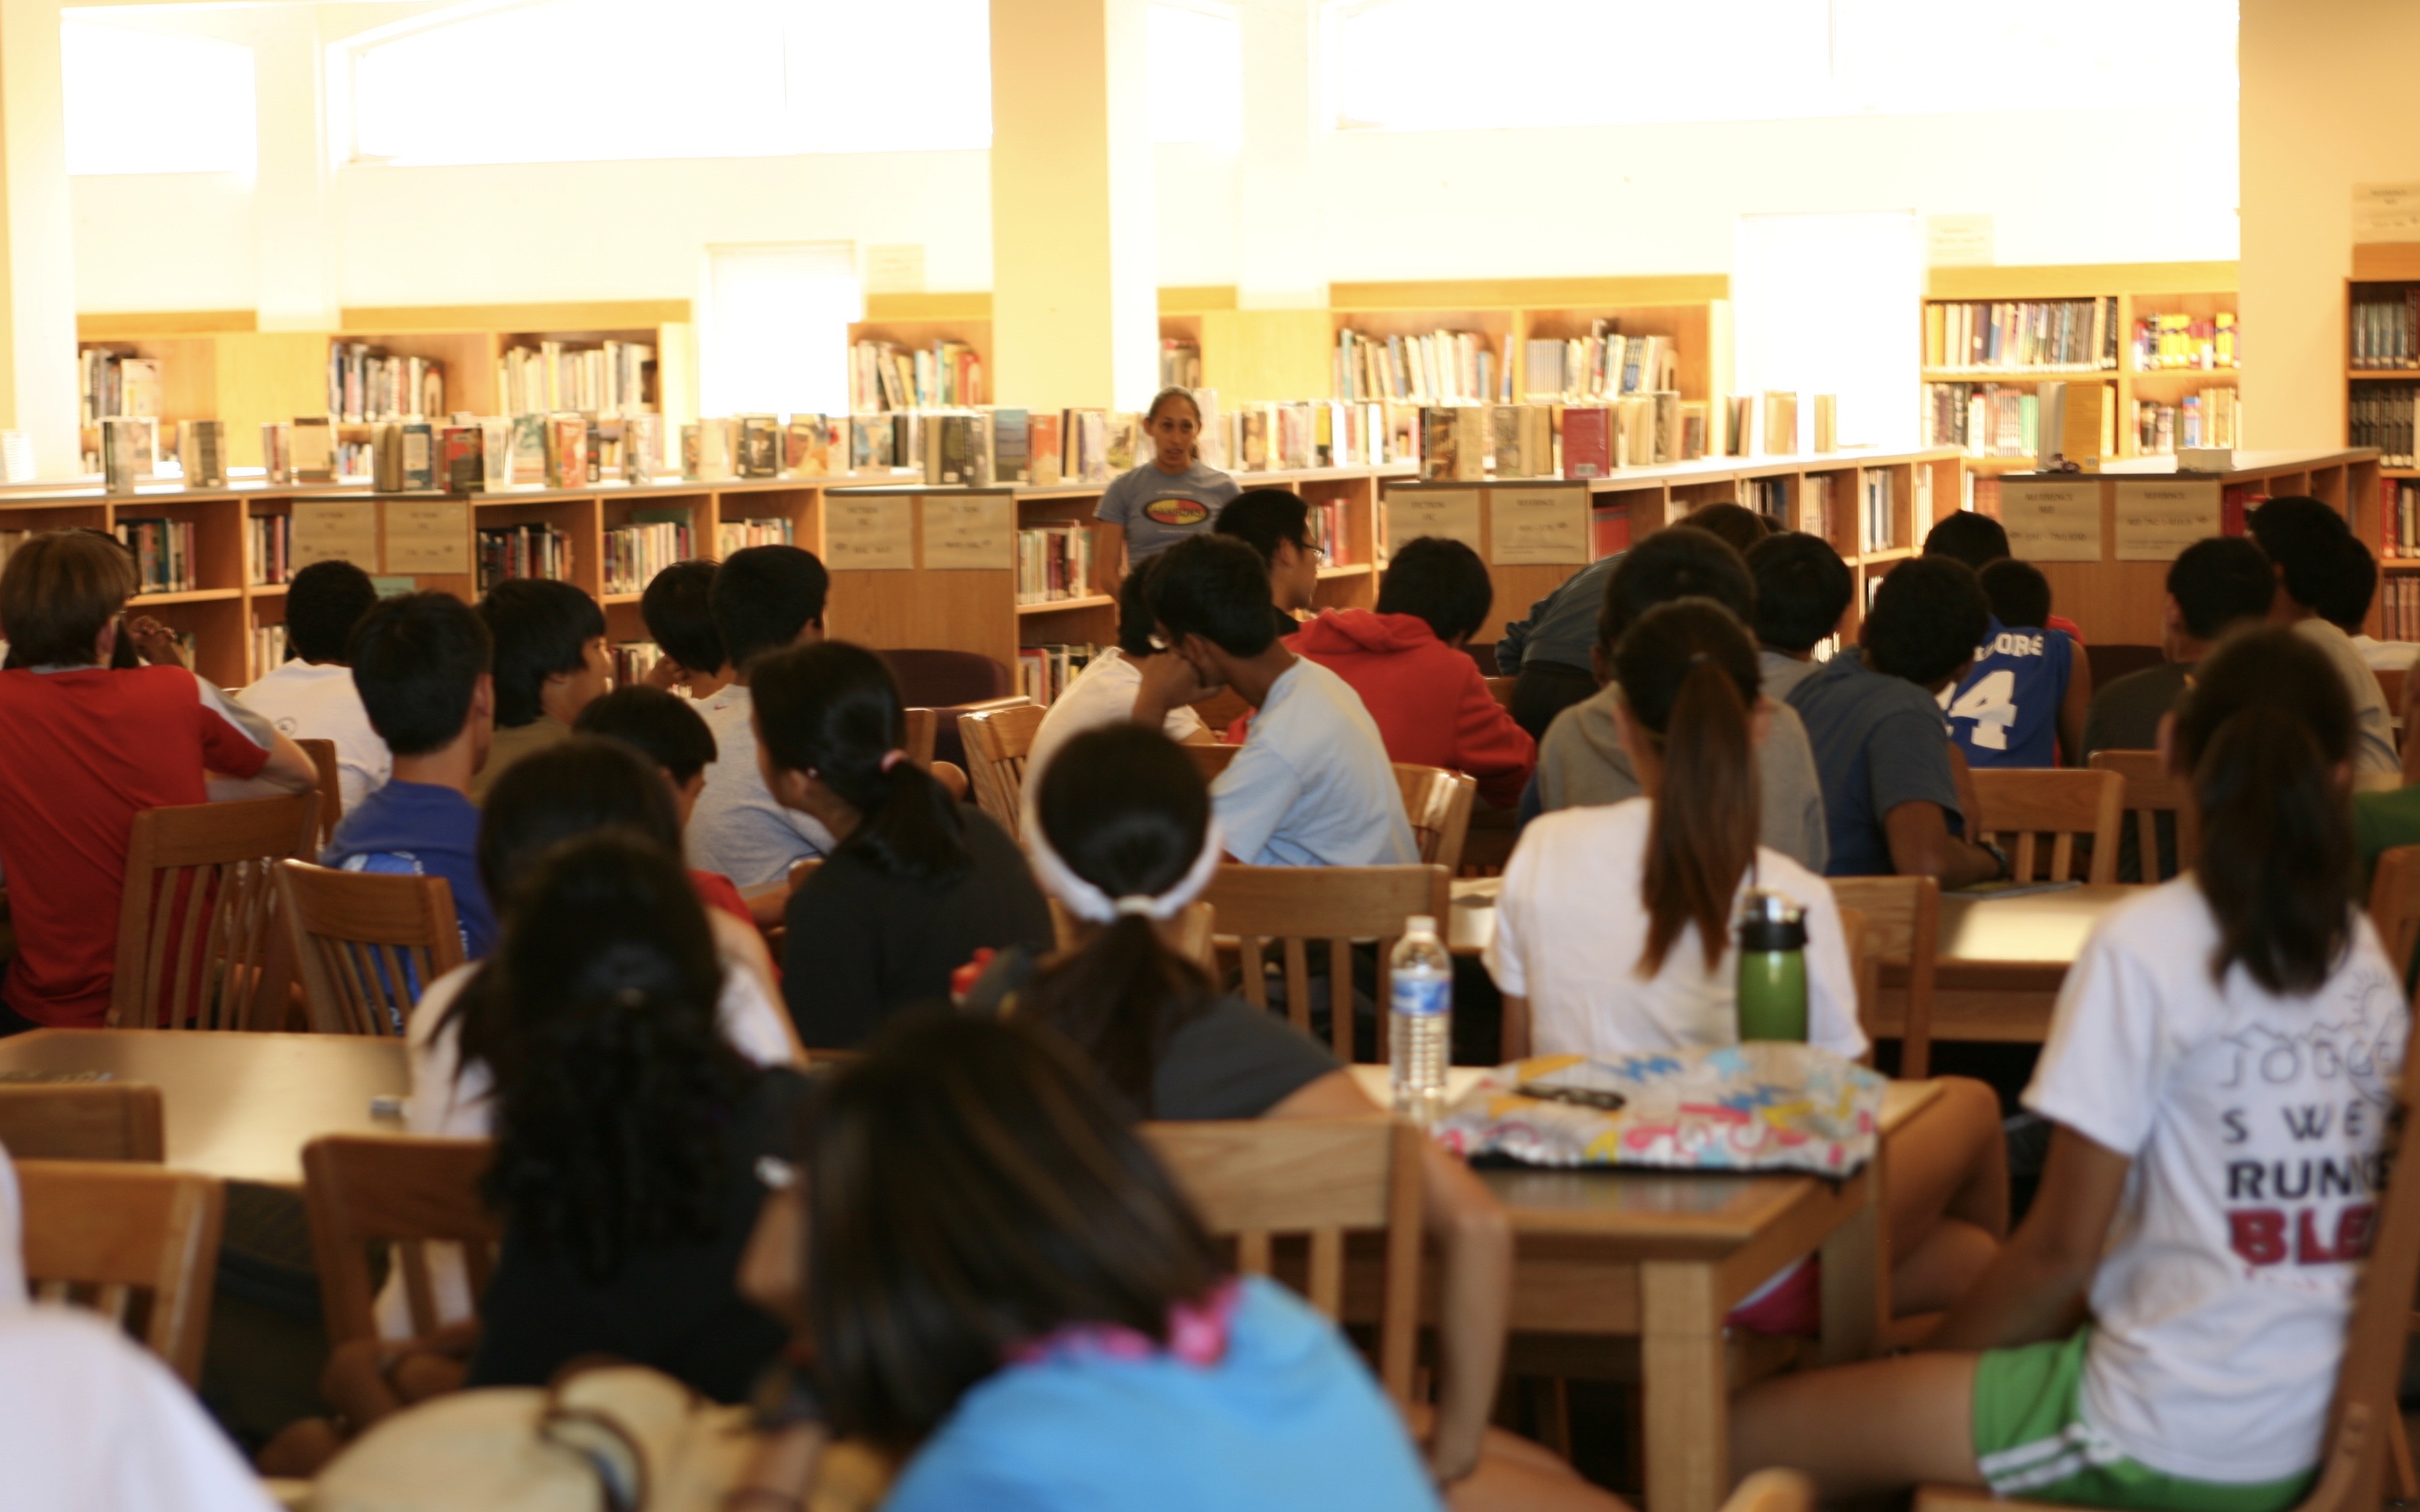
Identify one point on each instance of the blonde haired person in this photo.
(1148, 509)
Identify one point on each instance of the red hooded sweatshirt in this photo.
(1431, 704)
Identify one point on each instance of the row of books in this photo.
(366, 384)
(1602, 364)
(531, 550)
(1983, 419)
(164, 554)
(2213, 417)
(2067, 335)
(883, 374)
(272, 546)
(2386, 331)
(1043, 673)
(115, 383)
(609, 378)
(1054, 563)
(633, 660)
(2399, 606)
(1445, 367)
(2382, 415)
(634, 553)
(1329, 533)
(738, 535)
(1180, 363)
(269, 648)
(2398, 510)
(2163, 342)
(1877, 523)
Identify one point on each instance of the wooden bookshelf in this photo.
(916, 321)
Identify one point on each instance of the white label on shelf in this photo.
(1539, 527)
(2052, 521)
(1452, 513)
(970, 531)
(2385, 213)
(2157, 521)
(427, 538)
(894, 268)
(335, 529)
(868, 534)
(1958, 241)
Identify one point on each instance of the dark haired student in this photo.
(1276, 524)
(2306, 539)
(2021, 702)
(312, 697)
(764, 600)
(916, 882)
(667, 730)
(1802, 590)
(678, 610)
(551, 662)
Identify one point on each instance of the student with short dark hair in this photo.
(1313, 785)
(2306, 539)
(1978, 540)
(420, 663)
(1802, 590)
(1895, 792)
(2023, 701)
(2355, 586)
(551, 662)
(1276, 523)
(678, 610)
(764, 598)
(312, 697)
(1104, 693)
(668, 730)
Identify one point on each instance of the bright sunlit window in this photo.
(774, 334)
(1797, 281)
(706, 78)
(147, 102)
(1197, 74)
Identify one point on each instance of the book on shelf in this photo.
(957, 451)
(709, 450)
(2069, 336)
(870, 438)
(1779, 410)
(1054, 561)
(270, 543)
(1180, 363)
(2386, 330)
(806, 446)
(527, 550)
(2074, 423)
(1043, 673)
(460, 467)
(2382, 415)
(1769, 497)
(1877, 524)
(366, 384)
(115, 383)
(633, 660)
(313, 449)
(1453, 443)
(403, 457)
(1044, 460)
(1587, 442)
(760, 446)
(1084, 446)
(1815, 504)
(1328, 532)
(1010, 433)
(2185, 343)
(1827, 424)
(652, 541)
(2399, 609)
(2213, 418)
(164, 554)
(201, 452)
(885, 376)
(1446, 367)
(2398, 514)
(1603, 364)
(1127, 445)
(1983, 419)
(738, 535)
(128, 453)
(610, 377)
(566, 452)
(269, 649)
(1523, 437)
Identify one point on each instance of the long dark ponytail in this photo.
(833, 710)
(1127, 811)
(1689, 677)
(2264, 734)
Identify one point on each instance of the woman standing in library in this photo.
(1145, 511)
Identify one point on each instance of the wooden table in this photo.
(240, 1106)
(1600, 1256)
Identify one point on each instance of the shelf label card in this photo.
(335, 529)
(2385, 213)
(2157, 518)
(2052, 521)
(1452, 513)
(428, 539)
(868, 533)
(975, 531)
(1535, 526)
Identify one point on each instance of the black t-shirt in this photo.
(675, 1308)
(864, 943)
(1234, 1061)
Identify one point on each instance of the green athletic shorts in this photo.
(2031, 1441)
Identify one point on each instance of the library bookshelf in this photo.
(2387, 272)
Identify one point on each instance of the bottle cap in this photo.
(1769, 922)
(1421, 924)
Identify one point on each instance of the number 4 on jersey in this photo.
(1987, 703)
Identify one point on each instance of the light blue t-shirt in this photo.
(1312, 784)
(1157, 510)
(1288, 1420)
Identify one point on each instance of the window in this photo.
(1798, 282)
(1197, 75)
(147, 102)
(774, 339)
(708, 78)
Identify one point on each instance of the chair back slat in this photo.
(923, 726)
(1437, 803)
(365, 944)
(1902, 927)
(95, 1120)
(2394, 902)
(195, 943)
(135, 1242)
(997, 743)
(2066, 805)
(2151, 791)
(1500, 690)
(1339, 905)
(363, 1190)
(332, 790)
(1194, 932)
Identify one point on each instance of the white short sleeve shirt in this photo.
(309, 701)
(1312, 784)
(737, 827)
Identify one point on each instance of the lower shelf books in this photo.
(523, 551)
(2211, 418)
(272, 540)
(1054, 561)
(1769, 497)
(738, 535)
(164, 554)
(1043, 673)
(1815, 506)
(2381, 415)
(1986, 419)
(268, 648)
(634, 553)
(2399, 609)
(1875, 526)
(1327, 532)
(2398, 514)
(633, 660)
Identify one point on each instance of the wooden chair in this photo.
(2022, 805)
(1291, 906)
(1196, 933)
(363, 1190)
(2394, 902)
(1773, 1491)
(136, 1243)
(1437, 803)
(84, 1120)
(1500, 690)
(1213, 759)
(365, 944)
(996, 741)
(920, 725)
(1903, 928)
(2151, 791)
(332, 790)
(1253, 1180)
(196, 943)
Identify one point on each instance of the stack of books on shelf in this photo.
(272, 541)
(1446, 367)
(738, 535)
(111, 384)
(1769, 497)
(268, 647)
(366, 384)
(164, 554)
(2063, 335)
(2383, 416)
(1043, 673)
(2399, 513)
(1600, 365)
(2386, 331)
(1815, 505)
(1327, 532)
(885, 376)
(1180, 364)
(1055, 561)
(534, 550)
(2213, 417)
(2399, 606)
(634, 553)
(609, 378)
(633, 660)
(1876, 525)
(1983, 419)
(2167, 343)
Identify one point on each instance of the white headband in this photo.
(1089, 903)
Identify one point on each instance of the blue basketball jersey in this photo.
(2006, 711)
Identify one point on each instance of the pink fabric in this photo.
(1197, 1334)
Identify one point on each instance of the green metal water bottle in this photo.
(1771, 969)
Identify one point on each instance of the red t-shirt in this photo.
(81, 752)
(716, 890)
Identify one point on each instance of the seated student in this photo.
(679, 615)
(1312, 786)
(551, 662)
(2306, 539)
(82, 749)
(916, 882)
(1978, 540)
(628, 1132)
(1802, 590)
(1050, 1326)
(764, 598)
(312, 696)
(1276, 523)
(1104, 693)
(420, 664)
(2204, 1374)
(1552, 652)
(1405, 660)
(1895, 791)
(1614, 937)
(668, 730)
(1582, 761)
(2022, 701)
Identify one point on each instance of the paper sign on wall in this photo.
(2385, 213)
(1450, 513)
(970, 531)
(2052, 521)
(1537, 526)
(427, 538)
(868, 533)
(335, 529)
(2157, 518)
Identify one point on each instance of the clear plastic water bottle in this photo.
(1421, 1043)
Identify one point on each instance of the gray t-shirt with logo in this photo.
(1157, 510)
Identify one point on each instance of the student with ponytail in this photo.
(2165, 1329)
(917, 882)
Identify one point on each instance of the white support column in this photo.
(1281, 263)
(37, 323)
(294, 195)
